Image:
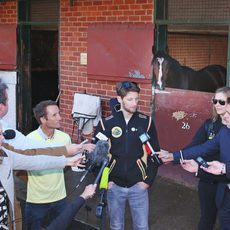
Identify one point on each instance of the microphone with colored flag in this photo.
(104, 164)
(95, 158)
(144, 137)
(103, 188)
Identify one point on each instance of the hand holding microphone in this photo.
(144, 137)
(95, 158)
(89, 191)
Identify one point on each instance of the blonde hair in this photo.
(226, 91)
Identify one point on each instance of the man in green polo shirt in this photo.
(46, 193)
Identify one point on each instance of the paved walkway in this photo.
(172, 206)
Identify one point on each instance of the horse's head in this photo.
(160, 70)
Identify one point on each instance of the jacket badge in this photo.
(116, 132)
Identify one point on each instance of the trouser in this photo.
(36, 214)
(224, 211)
(137, 198)
(208, 209)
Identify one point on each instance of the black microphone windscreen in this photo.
(9, 134)
(99, 153)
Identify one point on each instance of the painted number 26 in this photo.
(185, 125)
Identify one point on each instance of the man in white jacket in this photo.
(10, 161)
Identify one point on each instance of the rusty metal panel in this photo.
(178, 115)
(117, 51)
(8, 47)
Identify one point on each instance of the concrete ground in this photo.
(172, 206)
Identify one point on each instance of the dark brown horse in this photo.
(167, 72)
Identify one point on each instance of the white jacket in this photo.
(16, 161)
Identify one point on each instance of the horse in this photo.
(168, 72)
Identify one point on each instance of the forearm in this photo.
(208, 148)
(53, 151)
(23, 162)
(64, 219)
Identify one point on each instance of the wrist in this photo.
(83, 196)
(67, 161)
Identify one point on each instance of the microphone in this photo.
(9, 134)
(96, 157)
(144, 137)
(104, 163)
(99, 153)
(103, 188)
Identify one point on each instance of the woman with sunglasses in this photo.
(207, 186)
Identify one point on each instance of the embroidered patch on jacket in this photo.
(109, 117)
(116, 131)
(142, 116)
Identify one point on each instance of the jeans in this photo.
(137, 198)
(36, 214)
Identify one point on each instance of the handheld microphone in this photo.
(103, 188)
(144, 137)
(104, 163)
(96, 157)
(99, 153)
(9, 134)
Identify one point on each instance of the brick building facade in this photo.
(77, 15)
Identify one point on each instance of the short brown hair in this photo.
(40, 109)
(124, 87)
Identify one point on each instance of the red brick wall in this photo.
(73, 40)
(8, 12)
(198, 51)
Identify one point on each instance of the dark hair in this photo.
(40, 109)
(3, 95)
(124, 87)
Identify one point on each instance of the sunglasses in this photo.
(221, 102)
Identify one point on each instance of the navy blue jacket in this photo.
(206, 132)
(221, 143)
(127, 165)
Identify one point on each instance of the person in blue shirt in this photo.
(219, 143)
(207, 186)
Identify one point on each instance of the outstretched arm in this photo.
(67, 150)
(64, 219)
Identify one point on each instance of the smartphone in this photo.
(202, 162)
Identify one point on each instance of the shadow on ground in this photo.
(172, 206)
